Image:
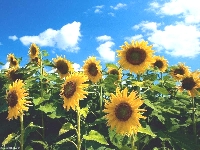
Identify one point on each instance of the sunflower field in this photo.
(140, 103)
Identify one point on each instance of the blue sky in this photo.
(78, 29)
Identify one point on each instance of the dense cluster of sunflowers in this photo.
(122, 108)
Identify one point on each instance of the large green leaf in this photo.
(9, 139)
(111, 65)
(95, 136)
(159, 89)
(49, 107)
(66, 127)
(146, 130)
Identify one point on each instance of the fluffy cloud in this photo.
(104, 49)
(14, 37)
(66, 38)
(177, 40)
(188, 10)
(138, 37)
(5, 66)
(118, 6)
(76, 67)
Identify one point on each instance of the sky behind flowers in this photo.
(78, 29)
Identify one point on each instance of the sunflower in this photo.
(13, 75)
(15, 99)
(73, 90)
(12, 61)
(123, 113)
(136, 56)
(92, 69)
(34, 51)
(63, 66)
(36, 60)
(179, 71)
(160, 63)
(191, 83)
(115, 71)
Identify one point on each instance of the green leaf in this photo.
(49, 107)
(1, 63)
(111, 65)
(9, 139)
(146, 130)
(29, 148)
(45, 53)
(66, 127)
(84, 112)
(63, 141)
(159, 89)
(44, 144)
(95, 136)
(38, 101)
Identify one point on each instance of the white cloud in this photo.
(98, 9)
(5, 66)
(65, 38)
(77, 67)
(112, 14)
(188, 10)
(103, 38)
(14, 37)
(147, 26)
(138, 37)
(1, 43)
(177, 40)
(104, 49)
(118, 6)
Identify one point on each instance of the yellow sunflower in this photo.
(161, 63)
(36, 60)
(179, 71)
(123, 112)
(15, 99)
(12, 61)
(34, 51)
(136, 56)
(63, 66)
(191, 83)
(92, 69)
(13, 75)
(115, 71)
(73, 90)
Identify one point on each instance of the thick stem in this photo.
(101, 100)
(22, 132)
(78, 129)
(194, 120)
(41, 94)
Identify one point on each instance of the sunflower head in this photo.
(115, 71)
(136, 56)
(63, 66)
(92, 69)
(179, 71)
(160, 63)
(15, 99)
(13, 62)
(36, 60)
(123, 112)
(13, 75)
(191, 83)
(73, 90)
(34, 51)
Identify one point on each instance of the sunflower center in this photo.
(33, 50)
(158, 64)
(114, 72)
(92, 69)
(62, 67)
(123, 111)
(69, 89)
(12, 98)
(179, 71)
(188, 83)
(135, 56)
(14, 62)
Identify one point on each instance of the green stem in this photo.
(22, 132)
(78, 129)
(101, 100)
(41, 94)
(194, 120)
